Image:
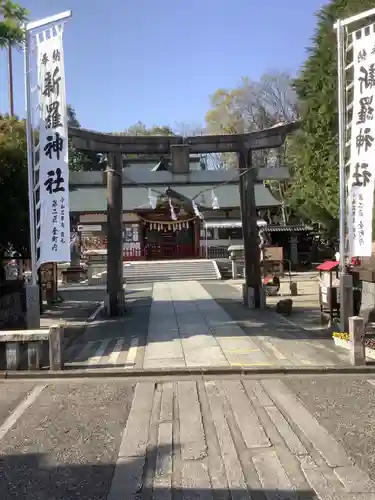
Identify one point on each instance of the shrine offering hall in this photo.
(166, 215)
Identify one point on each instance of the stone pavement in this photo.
(74, 311)
(183, 439)
(190, 325)
(306, 307)
(116, 342)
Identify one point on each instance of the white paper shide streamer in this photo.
(152, 199)
(54, 242)
(196, 210)
(215, 201)
(173, 213)
(362, 148)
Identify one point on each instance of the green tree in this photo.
(313, 153)
(78, 160)
(12, 16)
(140, 128)
(13, 186)
(72, 117)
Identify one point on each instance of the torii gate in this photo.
(179, 148)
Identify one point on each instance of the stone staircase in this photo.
(165, 270)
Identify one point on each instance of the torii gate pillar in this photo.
(115, 300)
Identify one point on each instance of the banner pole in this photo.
(30, 160)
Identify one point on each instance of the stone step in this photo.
(171, 272)
(154, 271)
(144, 279)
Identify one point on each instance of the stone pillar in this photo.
(180, 157)
(115, 300)
(253, 293)
(75, 271)
(357, 343)
(346, 300)
(32, 300)
(56, 347)
(367, 310)
(294, 250)
(234, 269)
(249, 299)
(90, 274)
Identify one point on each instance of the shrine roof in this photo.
(94, 198)
(134, 175)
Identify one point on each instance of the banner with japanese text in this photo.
(362, 148)
(54, 241)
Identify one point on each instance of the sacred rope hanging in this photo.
(168, 225)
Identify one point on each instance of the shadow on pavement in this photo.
(184, 320)
(41, 476)
(227, 297)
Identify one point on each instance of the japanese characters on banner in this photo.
(54, 242)
(362, 148)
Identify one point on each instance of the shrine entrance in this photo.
(180, 149)
(165, 238)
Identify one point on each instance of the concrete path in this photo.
(218, 439)
(190, 325)
(189, 328)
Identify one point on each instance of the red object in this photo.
(328, 265)
(156, 252)
(356, 261)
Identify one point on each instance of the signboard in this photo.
(54, 241)
(362, 148)
(85, 228)
(273, 253)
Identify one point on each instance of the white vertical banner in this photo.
(54, 241)
(362, 147)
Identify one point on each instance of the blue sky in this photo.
(157, 61)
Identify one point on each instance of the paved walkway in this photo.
(189, 325)
(229, 439)
(74, 311)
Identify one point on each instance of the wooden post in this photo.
(56, 347)
(115, 291)
(253, 292)
(357, 341)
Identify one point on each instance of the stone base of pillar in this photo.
(115, 307)
(74, 274)
(248, 297)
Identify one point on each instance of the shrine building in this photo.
(167, 214)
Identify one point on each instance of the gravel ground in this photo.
(66, 445)
(11, 395)
(346, 408)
